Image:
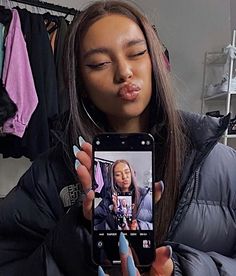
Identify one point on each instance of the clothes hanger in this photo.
(49, 18)
(5, 13)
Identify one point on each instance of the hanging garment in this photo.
(106, 172)
(63, 97)
(44, 72)
(2, 29)
(37, 138)
(7, 107)
(5, 21)
(99, 178)
(17, 78)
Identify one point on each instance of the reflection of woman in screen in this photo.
(108, 212)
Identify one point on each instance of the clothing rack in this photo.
(48, 6)
(103, 160)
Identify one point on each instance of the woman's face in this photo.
(116, 68)
(122, 176)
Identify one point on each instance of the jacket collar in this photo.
(203, 130)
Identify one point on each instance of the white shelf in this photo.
(220, 96)
(216, 58)
(219, 65)
(230, 136)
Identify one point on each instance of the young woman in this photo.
(118, 81)
(112, 211)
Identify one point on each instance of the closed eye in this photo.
(98, 65)
(139, 53)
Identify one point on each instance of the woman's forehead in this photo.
(111, 29)
(120, 166)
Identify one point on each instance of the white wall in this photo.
(189, 28)
(10, 171)
(233, 14)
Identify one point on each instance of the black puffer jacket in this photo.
(38, 236)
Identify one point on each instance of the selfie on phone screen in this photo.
(123, 198)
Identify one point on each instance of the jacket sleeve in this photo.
(144, 214)
(36, 238)
(189, 261)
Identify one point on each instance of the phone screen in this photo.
(123, 183)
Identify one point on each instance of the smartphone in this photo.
(123, 180)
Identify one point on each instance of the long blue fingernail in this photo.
(162, 186)
(170, 251)
(100, 271)
(75, 149)
(81, 141)
(131, 267)
(123, 244)
(77, 163)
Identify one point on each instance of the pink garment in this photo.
(99, 178)
(18, 79)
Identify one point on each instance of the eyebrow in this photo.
(103, 50)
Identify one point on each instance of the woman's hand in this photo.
(83, 166)
(115, 202)
(162, 265)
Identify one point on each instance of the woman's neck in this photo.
(124, 125)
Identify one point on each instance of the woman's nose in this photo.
(124, 175)
(123, 72)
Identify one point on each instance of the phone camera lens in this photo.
(123, 142)
(97, 142)
(148, 142)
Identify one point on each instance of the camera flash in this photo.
(97, 142)
(143, 143)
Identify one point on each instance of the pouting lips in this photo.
(129, 92)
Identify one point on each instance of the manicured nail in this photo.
(75, 150)
(131, 267)
(170, 251)
(162, 186)
(123, 244)
(81, 140)
(101, 271)
(77, 163)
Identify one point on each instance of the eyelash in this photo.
(101, 65)
(139, 53)
(97, 66)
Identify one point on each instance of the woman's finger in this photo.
(84, 177)
(101, 272)
(83, 165)
(159, 189)
(86, 182)
(88, 204)
(84, 154)
(163, 264)
(127, 262)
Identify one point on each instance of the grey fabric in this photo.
(203, 231)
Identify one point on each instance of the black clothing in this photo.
(7, 107)
(63, 97)
(36, 138)
(38, 237)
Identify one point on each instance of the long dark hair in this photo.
(133, 187)
(165, 122)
